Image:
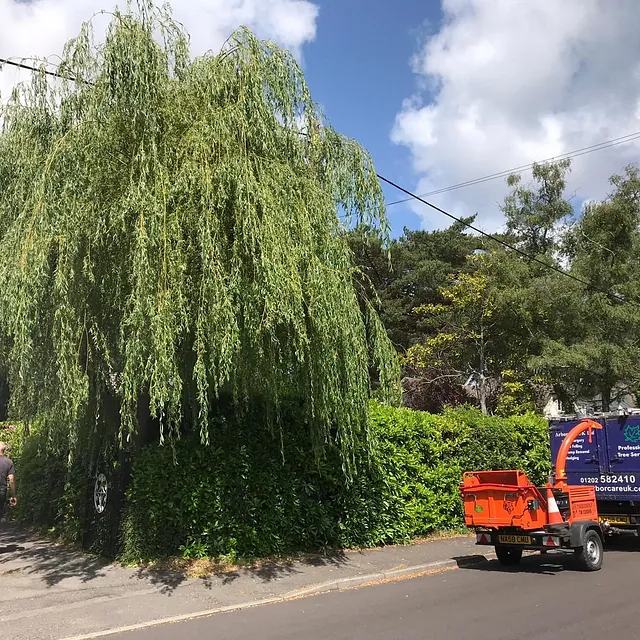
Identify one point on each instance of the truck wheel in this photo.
(590, 555)
(508, 556)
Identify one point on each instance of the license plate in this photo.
(514, 539)
(615, 519)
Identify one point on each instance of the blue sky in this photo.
(512, 83)
(358, 69)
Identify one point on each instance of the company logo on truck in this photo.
(610, 463)
(632, 433)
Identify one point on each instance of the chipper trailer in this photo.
(511, 514)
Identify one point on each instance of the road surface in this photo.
(543, 599)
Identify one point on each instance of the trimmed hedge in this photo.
(244, 497)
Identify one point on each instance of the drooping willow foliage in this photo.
(166, 229)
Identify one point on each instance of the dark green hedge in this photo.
(245, 497)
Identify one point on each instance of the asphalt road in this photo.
(543, 599)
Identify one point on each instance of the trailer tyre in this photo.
(508, 556)
(589, 556)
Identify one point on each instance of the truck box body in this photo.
(610, 462)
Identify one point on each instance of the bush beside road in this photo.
(242, 497)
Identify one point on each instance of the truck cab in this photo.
(610, 463)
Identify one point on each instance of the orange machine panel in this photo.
(496, 499)
(582, 501)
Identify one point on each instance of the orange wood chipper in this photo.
(508, 512)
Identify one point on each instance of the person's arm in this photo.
(11, 477)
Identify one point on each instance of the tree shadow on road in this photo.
(212, 574)
(24, 553)
(11, 548)
(167, 581)
(275, 570)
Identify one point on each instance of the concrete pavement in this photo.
(543, 599)
(52, 592)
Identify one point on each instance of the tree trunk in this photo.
(482, 384)
(606, 398)
(482, 394)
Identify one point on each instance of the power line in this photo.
(413, 196)
(21, 65)
(502, 174)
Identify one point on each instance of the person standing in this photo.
(7, 476)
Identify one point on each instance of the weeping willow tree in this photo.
(174, 228)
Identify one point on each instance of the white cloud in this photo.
(41, 27)
(512, 82)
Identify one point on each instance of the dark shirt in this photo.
(6, 470)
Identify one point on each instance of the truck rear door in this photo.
(620, 479)
(586, 460)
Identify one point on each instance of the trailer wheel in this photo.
(589, 556)
(508, 556)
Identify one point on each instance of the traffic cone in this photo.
(553, 513)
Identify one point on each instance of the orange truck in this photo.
(509, 513)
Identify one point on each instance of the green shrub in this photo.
(411, 487)
(239, 496)
(253, 493)
(41, 471)
(243, 496)
(13, 434)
